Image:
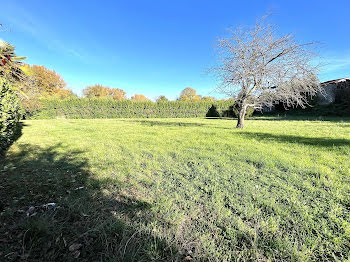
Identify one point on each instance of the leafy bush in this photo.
(75, 108)
(10, 114)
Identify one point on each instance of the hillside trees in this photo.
(260, 69)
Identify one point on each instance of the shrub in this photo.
(213, 112)
(10, 115)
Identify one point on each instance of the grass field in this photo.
(177, 190)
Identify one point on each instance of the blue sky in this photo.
(160, 47)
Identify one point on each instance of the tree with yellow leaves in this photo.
(101, 91)
(140, 98)
(189, 94)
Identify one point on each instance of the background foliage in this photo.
(104, 91)
(189, 94)
(47, 81)
(140, 98)
(339, 108)
(76, 108)
(10, 114)
(41, 82)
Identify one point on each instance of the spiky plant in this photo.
(10, 64)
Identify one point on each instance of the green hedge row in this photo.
(75, 108)
(10, 115)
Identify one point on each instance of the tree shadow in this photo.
(52, 208)
(16, 135)
(165, 123)
(310, 141)
(286, 117)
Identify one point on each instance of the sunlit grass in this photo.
(175, 189)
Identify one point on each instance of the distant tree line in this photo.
(99, 91)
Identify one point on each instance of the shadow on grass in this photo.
(288, 118)
(16, 135)
(165, 123)
(282, 117)
(310, 141)
(91, 220)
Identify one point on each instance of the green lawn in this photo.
(177, 190)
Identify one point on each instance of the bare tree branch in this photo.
(261, 69)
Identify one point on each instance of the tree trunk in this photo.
(241, 115)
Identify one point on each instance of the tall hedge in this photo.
(109, 108)
(10, 115)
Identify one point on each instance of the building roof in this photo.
(336, 81)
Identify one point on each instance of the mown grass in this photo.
(177, 190)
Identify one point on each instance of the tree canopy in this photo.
(104, 91)
(189, 94)
(48, 82)
(260, 69)
(138, 97)
(162, 99)
(208, 98)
